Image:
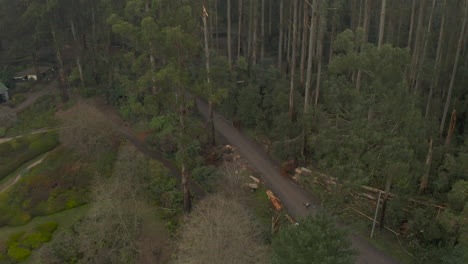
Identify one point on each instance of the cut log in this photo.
(290, 219)
(254, 179)
(253, 186)
(274, 200)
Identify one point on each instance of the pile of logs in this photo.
(369, 194)
(366, 191)
(253, 186)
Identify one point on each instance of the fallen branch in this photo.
(370, 218)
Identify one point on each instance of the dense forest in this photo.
(371, 93)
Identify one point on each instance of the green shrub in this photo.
(207, 176)
(2, 131)
(48, 227)
(18, 254)
(458, 195)
(315, 240)
(71, 204)
(36, 239)
(15, 238)
(20, 218)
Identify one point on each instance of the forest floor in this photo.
(49, 88)
(291, 195)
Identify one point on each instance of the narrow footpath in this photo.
(291, 195)
(20, 174)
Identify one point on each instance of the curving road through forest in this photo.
(292, 195)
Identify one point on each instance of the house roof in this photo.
(3, 87)
(32, 71)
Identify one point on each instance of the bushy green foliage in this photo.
(457, 197)
(207, 176)
(15, 238)
(18, 254)
(249, 109)
(161, 186)
(20, 244)
(315, 240)
(35, 240)
(48, 227)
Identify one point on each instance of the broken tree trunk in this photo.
(425, 178)
(453, 122)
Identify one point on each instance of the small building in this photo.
(3, 93)
(31, 74)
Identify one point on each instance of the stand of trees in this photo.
(374, 92)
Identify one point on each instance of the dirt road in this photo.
(291, 194)
(3, 140)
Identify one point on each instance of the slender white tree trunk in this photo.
(239, 31)
(280, 44)
(305, 30)
(322, 29)
(313, 26)
(293, 62)
(254, 34)
(410, 34)
(436, 64)
(423, 56)
(229, 33)
(454, 71)
(207, 65)
(262, 30)
(382, 23)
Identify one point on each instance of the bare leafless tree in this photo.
(110, 230)
(220, 230)
(86, 130)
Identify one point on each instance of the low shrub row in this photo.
(19, 246)
(18, 151)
